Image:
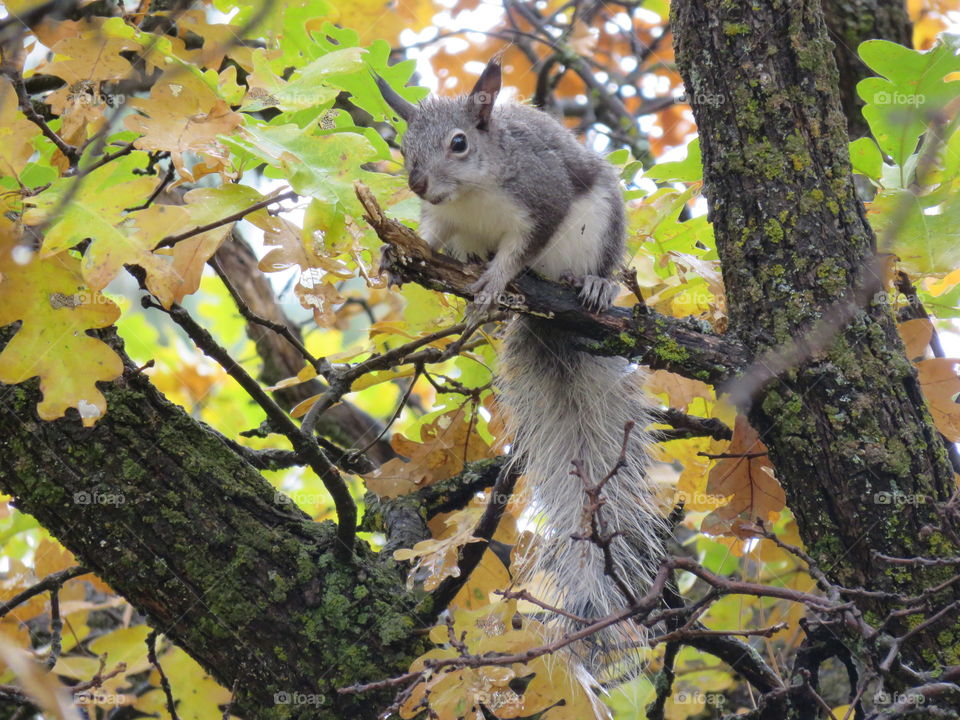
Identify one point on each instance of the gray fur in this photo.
(527, 196)
(564, 405)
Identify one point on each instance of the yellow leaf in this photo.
(125, 645)
(313, 289)
(184, 114)
(56, 309)
(303, 407)
(308, 373)
(205, 695)
(41, 686)
(52, 557)
(90, 57)
(448, 441)
(381, 376)
(489, 575)
(680, 391)
(938, 287)
(16, 132)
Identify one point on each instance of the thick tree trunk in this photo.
(162, 509)
(848, 422)
(849, 23)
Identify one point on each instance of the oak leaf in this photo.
(56, 308)
(747, 479)
(448, 442)
(940, 384)
(184, 114)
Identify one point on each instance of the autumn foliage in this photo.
(137, 143)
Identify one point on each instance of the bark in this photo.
(849, 423)
(160, 507)
(849, 23)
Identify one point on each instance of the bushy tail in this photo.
(564, 405)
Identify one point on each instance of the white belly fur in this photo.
(476, 222)
(575, 246)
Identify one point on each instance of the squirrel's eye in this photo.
(458, 143)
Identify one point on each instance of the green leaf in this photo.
(690, 169)
(323, 165)
(866, 159)
(307, 89)
(361, 86)
(910, 94)
(925, 243)
(95, 208)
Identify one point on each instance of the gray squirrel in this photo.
(509, 184)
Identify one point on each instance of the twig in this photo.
(56, 630)
(103, 160)
(50, 582)
(164, 682)
(525, 595)
(687, 426)
(167, 179)
(918, 561)
(229, 705)
(724, 456)
(682, 634)
(172, 240)
(597, 532)
(472, 553)
(26, 107)
(321, 366)
(341, 381)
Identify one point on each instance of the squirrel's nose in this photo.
(418, 182)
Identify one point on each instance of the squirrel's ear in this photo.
(401, 106)
(484, 94)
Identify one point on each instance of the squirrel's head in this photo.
(447, 147)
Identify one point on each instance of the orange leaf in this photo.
(940, 384)
(916, 336)
(747, 480)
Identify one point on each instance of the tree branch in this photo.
(681, 346)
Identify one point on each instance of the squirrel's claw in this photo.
(596, 293)
(486, 292)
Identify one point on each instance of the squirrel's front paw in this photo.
(487, 292)
(597, 293)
